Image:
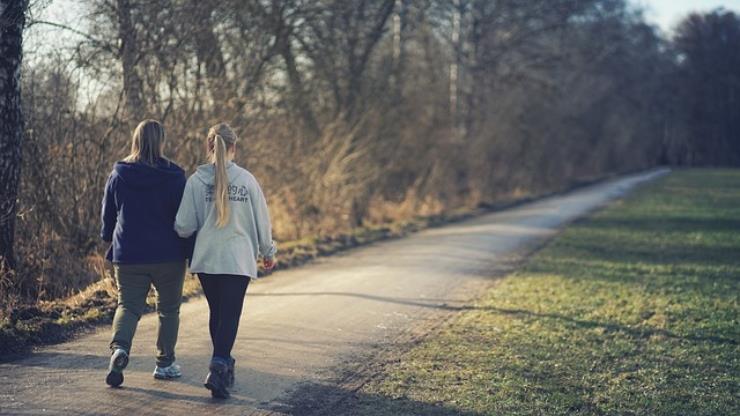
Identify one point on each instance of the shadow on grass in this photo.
(436, 304)
(320, 399)
(675, 253)
(656, 240)
(612, 327)
(663, 223)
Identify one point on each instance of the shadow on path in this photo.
(319, 399)
(426, 303)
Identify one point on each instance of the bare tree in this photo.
(339, 37)
(12, 20)
(353, 112)
(130, 56)
(208, 47)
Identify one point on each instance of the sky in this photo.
(663, 13)
(667, 13)
(42, 40)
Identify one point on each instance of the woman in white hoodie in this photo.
(225, 206)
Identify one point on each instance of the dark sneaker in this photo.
(230, 374)
(118, 361)
(217, 378)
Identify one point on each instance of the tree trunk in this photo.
(12, 20)
(132, 84)
(208, 49)
(300, 101)
(358, 60)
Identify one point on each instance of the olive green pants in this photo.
(133, 282)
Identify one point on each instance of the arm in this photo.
(186, 220)
(262, 220)
(177, 191)
(109, 212)
(177, 196)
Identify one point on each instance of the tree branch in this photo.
(106, 46)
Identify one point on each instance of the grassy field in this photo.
(632, 311)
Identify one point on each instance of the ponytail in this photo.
(221, 138)
(221, 191)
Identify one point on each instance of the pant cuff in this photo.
(165, 361)
(115, 346)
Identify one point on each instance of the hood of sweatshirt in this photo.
(139, 175)
(207, 173)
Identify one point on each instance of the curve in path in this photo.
(301, 325)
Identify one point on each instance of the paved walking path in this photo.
(301, 325)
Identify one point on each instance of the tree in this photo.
(12, 21)
(355, 98)
(339, 38)
(709, 75)
(207, 47)
(129, 54)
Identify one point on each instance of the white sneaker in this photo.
(167, 373)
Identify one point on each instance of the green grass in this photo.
(632, 311)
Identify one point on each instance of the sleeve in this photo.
(186, 220)
(178, 190)
(109, 212)
(262, 220)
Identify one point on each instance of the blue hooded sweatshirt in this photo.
(139, 208)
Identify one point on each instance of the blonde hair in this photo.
(146, 143)
(220, 138)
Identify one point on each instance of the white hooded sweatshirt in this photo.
(232, 249)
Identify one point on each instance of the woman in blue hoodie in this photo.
(225, 206)
(141, 199)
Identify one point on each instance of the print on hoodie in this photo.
(234, 248)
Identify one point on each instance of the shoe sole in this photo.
(166, 377)
(218, 393)
(114, 379)
(217, 388)
(115, 375)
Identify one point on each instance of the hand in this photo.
(269, 264)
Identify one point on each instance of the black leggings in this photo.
(225, 296)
